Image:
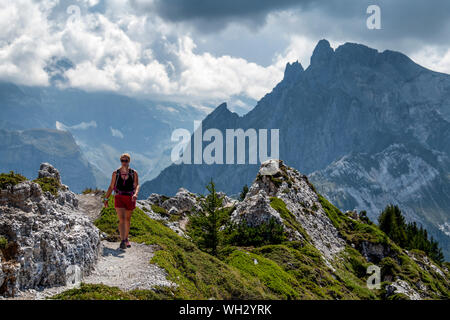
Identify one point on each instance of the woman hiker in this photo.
(125, 183)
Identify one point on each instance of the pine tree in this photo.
(205, 224)
(408, 235)
(243, 193)
(393, 224)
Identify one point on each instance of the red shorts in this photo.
(124, 201)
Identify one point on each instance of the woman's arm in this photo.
(136, 185)
(110, 188)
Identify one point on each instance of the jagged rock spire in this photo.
(322, 53)
(292, 71)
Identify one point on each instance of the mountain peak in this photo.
(221, 114)
(351, 53)
(222, 107)
(322, 52)
(292, 71)
(221, 110)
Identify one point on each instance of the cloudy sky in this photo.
(201, 51)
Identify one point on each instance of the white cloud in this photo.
(433, 58)
(205, 75)
(116, 133)
(300, 48)
(25, 42)
(131, 53)
(81, 126)
(113, 55)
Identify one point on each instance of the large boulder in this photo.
(46, 170)
(47, 238)
(183, 201)
(255, 210)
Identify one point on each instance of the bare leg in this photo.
(127, 222)
(121, 216)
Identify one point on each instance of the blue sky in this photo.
(202, 52)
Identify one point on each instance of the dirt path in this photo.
(127, 269)
(90, 204)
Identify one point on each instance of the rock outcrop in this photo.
(183, 201)
(276, 180)
(47, 240)
(402, 287)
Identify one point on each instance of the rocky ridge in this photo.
(275, 179)
(307, 220)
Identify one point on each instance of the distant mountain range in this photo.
(20, 151)
(368, 127)
(103, 124)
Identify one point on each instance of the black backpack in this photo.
(130, 176)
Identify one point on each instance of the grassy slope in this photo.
(291, 270)
(397, 265)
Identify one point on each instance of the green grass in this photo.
(406, 269)
(48, 184)
(270, 274)
(160, 210)
(103, 292)
(3, 242)
(10, 179)
(288, 217)
(396, 265)
(94, 292)
(354, 231)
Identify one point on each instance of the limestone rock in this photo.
(275, 179)
(374, 252)
(157, 199)
(401, 286)
(47, 236)
(46, 170)
(182, 201)
(255, 210)
(227, 202)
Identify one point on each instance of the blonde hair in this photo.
(126, 155)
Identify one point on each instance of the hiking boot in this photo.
(127, 243)
(123, 244)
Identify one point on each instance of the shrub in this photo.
(10, 179)
(266, 233)
(243, 193)
(3, 242)
(48, 184)
(363, 217)
(160, 210)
